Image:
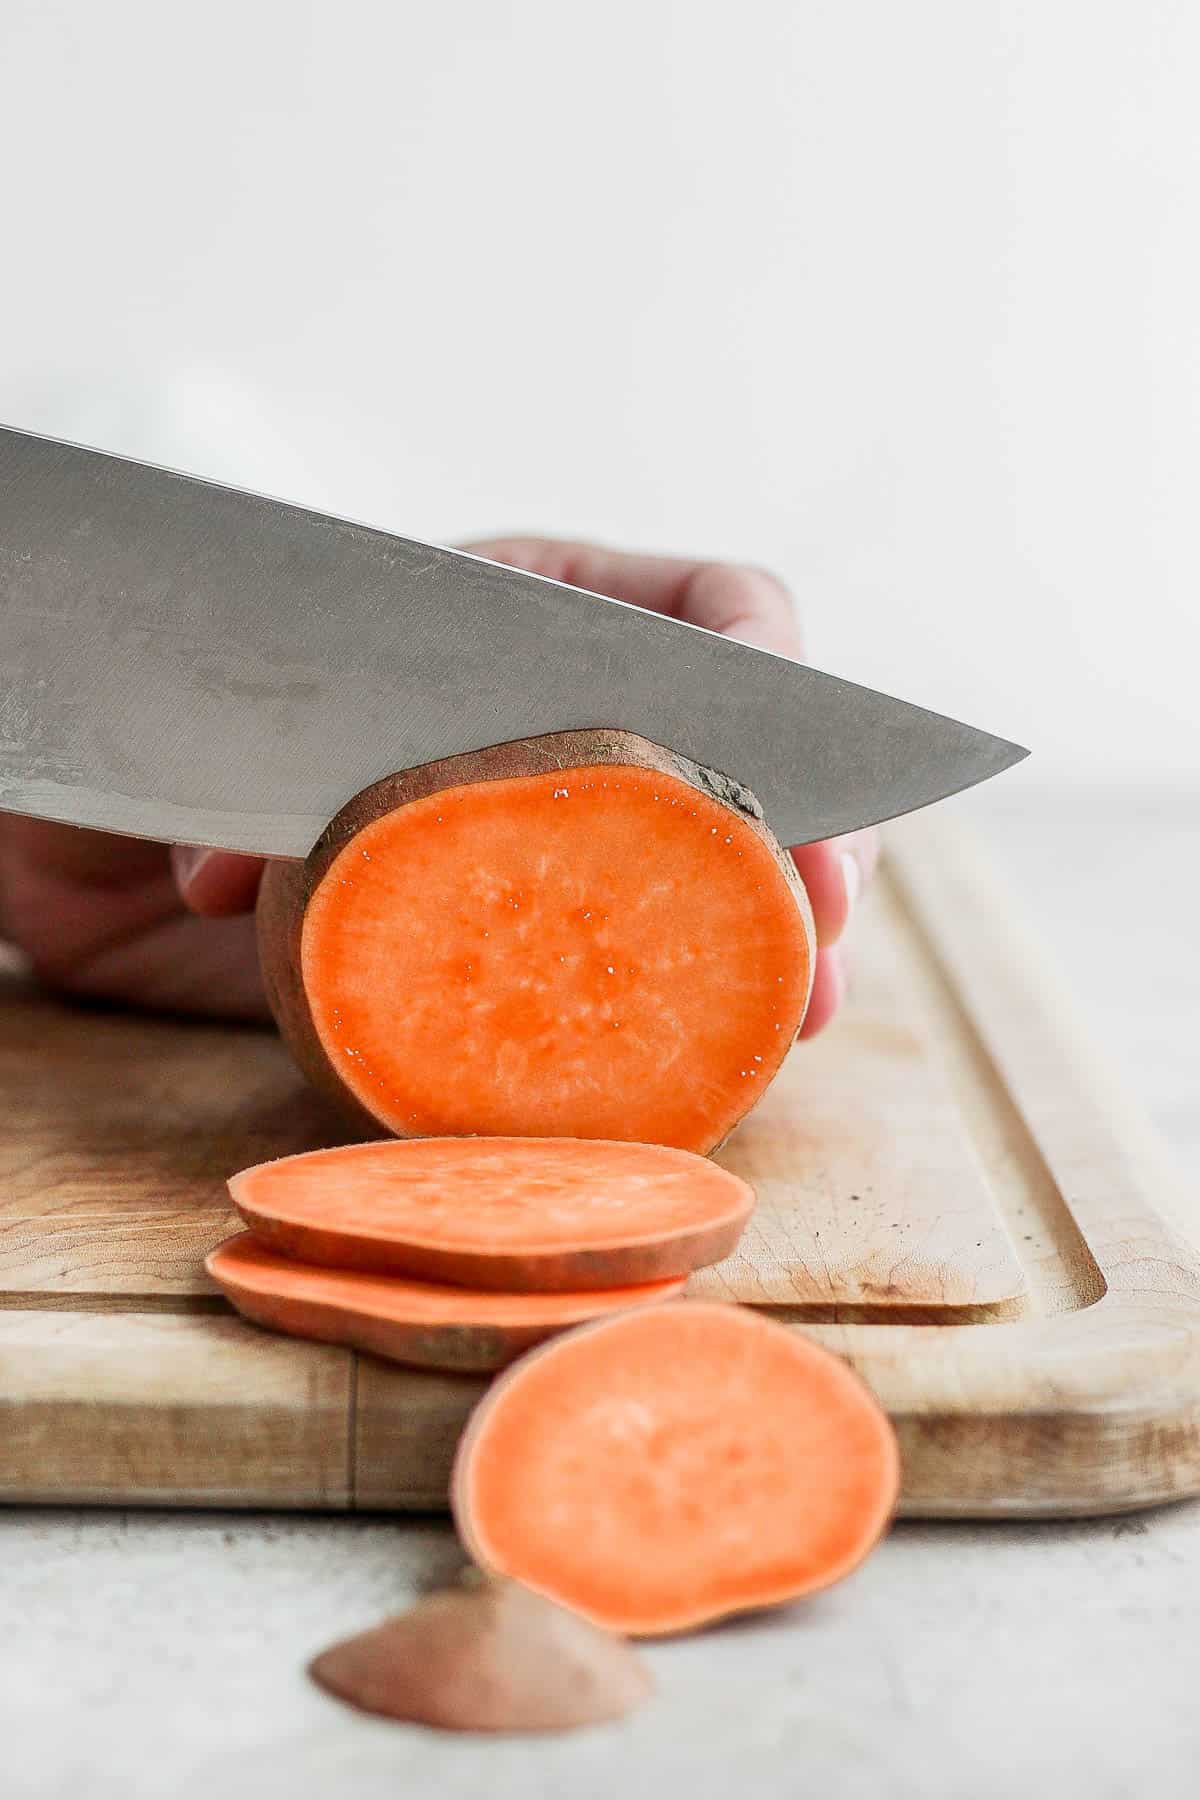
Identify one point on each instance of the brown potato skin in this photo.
(565, 1272)
(490, 1657)
(282, 898)
(287, 886)
(460, 1348)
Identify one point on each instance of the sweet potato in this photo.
(516, 1215)
(673, 1465)
(578, 935)
(420, 1323)
(494, 1657)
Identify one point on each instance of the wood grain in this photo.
(406, 1429)
(138, 1258)
(192, 1411)
(111, 1115)
(870, 1192)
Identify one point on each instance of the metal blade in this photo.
(189, 662)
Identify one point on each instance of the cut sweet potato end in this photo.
(599, 951)
(419, 1323)
(514, 1214)
(667, 1468)
(489, 1658)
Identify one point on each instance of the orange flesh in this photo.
(412, 1321)
(516, 1213)
(601, 953)
(672, 1466)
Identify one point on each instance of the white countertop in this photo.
(148, 1654)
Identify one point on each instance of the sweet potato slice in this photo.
(422, 1323)
(580, 935)
(517, 1215)
(667, 1467)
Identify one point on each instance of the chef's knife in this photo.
(198, 664)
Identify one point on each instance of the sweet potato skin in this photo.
(467, 1342)
(457, 1350)
(584, 1269)
(288, 886)
(279, 917)
(492, 1657)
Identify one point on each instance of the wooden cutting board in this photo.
(952, 1193)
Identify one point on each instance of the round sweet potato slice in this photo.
(425, 1324)
(517, 1215)
(671, 1466)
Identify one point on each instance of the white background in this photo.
(903, 299)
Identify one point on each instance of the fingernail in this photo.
(187, 860)
(852, 876)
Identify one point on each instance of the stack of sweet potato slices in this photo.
(462, 1253)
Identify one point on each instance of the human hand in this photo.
(103, 918)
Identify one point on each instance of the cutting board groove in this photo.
(953, 1193)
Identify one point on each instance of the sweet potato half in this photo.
(579, 935)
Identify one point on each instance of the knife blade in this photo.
(200, 664)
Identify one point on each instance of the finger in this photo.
(217, 884)
(829, 988)
(834, 874)
(741, 602)
(204, 968)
